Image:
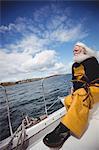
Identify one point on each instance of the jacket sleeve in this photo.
(91, 67)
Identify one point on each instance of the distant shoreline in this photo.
(27, 80)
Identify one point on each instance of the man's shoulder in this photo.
(90, 60)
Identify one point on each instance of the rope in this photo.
(87, 89)
(20, 133)
(91, 83)
(22, 137)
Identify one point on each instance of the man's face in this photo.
(78, 49)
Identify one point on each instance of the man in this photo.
(85, 77)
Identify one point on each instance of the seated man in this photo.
(85, 77)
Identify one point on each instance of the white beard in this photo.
(80, 57)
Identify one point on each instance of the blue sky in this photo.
(37, 37)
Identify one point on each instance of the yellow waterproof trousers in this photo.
(78, 105)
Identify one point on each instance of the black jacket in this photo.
(88, 70)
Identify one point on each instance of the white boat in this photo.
(35, 134)
(31, 138)
(89, 141)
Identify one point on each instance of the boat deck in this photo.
(89, 141)
(36, 133)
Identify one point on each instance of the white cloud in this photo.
(16, 66)
(69, 67)
(3, 28)
(55, 25)
(18, 26)
(30, 45)
(97, 55)
(41, 60)
(72, 34)
(32, 53)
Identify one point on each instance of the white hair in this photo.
(89, 53)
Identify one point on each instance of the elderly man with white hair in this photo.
(85, 78)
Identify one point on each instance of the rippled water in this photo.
(27, 98)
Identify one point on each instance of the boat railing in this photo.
(8, 110)
(42, 83)
(45, 105)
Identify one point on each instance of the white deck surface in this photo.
(89, 141)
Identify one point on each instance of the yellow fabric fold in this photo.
(78, 106)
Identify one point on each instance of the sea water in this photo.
(27, 99)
